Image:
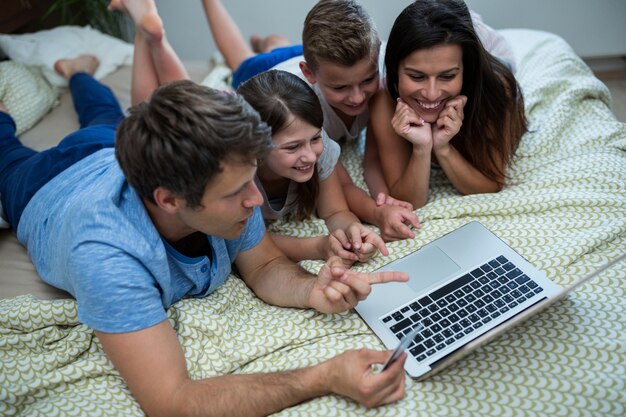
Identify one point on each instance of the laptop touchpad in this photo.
(428, 267)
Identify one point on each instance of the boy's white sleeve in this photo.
(493, 41)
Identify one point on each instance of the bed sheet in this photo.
(564, 210)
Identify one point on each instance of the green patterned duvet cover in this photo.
(564, 209)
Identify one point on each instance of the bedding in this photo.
(564, 209)
(43, 48)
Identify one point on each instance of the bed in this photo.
(564, 209)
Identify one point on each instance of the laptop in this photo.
(465, 288)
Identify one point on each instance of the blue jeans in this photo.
(263, 62)
(23, 171)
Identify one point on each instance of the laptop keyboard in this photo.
(461, 306)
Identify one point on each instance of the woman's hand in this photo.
(409, 125)
(449, 122)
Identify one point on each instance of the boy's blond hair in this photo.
(339, 32)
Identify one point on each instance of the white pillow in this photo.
(45, 47)
(220, 77)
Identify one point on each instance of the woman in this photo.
(449, 103)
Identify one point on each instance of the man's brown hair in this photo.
(180, 138)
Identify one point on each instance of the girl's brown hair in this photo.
(277, 95)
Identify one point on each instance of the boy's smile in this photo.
(346, 88)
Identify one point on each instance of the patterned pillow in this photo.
(25, 93)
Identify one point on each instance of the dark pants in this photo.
(263, 62)
(23, 171)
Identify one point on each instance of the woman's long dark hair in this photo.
(494, 119)
(277, 95)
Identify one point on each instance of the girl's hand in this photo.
(409, 125)
(363, 242)
(366, 252)
(449, 122)
(335, 247)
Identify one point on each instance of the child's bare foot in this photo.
(83, 63)
(268, 43)
(3, 108)
(144, 14)
(117, 5)
(255, 43)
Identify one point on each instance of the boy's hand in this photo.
(383, 198)
(395, 222)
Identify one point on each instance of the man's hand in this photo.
(338, 289)
(351, 375)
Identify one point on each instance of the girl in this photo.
(290, 176)
(299, 175)
(449, 103)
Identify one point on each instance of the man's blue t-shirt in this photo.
(88, 233)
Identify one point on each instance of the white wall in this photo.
(593, 28)
(188, 31)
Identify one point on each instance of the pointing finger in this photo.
(387, 276)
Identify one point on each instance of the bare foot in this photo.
(3, 108)
(144, 14)
(268, 43)
(117, 5)
(84, 63)
(255, 42)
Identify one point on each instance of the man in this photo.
(131, 229)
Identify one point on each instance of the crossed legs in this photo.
(230, 40)
(154, 60)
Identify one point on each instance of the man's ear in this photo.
(166, 200)
(306, 71)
